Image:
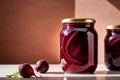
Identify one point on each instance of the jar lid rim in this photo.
(78, 20)
(113, 27)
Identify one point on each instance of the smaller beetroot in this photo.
(26, 70)
(42, 66)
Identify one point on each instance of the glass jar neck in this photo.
(78, 25)
(113, 31)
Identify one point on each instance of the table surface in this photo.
(55, 73)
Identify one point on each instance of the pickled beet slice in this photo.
(78, 48)
(113, 41)
(75, 46)
(115, 48)
(65, 45)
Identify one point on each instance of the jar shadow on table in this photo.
(112, 75)
(80, 78)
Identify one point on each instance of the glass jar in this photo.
(78, 45)
(112, 47)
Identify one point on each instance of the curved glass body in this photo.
(112, 49)
(78, 47)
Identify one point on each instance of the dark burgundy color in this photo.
(112, 49)
(42, 66)
(26, 70)
(78, 47)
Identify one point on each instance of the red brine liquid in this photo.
(78, 47)
(112, 48)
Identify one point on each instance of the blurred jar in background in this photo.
(112, 47)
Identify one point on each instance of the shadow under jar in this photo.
(112, 47)
(78, 45)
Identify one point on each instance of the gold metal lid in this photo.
(78, 20)
(113, 27)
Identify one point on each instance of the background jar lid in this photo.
(113, 27)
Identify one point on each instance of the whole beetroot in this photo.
(42, 66)
(26, 70)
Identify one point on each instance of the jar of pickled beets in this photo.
(112, 47)
(78, 45)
